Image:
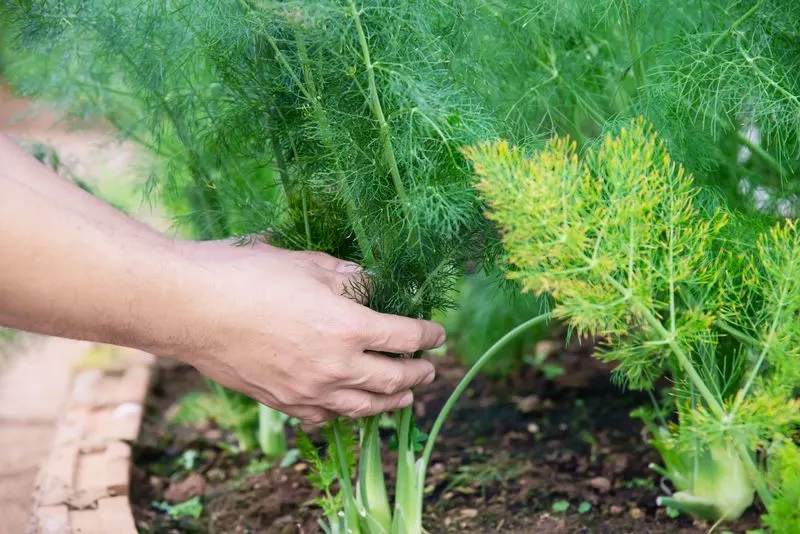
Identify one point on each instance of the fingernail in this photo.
(406, 399)
(348, 268)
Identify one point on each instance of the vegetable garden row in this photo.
(620, 174)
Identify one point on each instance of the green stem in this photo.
(765, 156)
(633, 47)
(280, 162)
(271, 434)
(350, 508)
(306, 222)
(377, 109)
(735, 25)
(408, 509)
(736, 333)
(755, 474)
(685, 363)
(372, 486)
(485, 358)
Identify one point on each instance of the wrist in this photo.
(170, 303)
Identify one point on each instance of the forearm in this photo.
(38, 177)
(73, 267)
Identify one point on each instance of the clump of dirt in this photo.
(520, 455)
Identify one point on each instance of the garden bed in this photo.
(520, 455)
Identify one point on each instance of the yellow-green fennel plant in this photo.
(629, 248)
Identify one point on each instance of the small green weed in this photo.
(228, 410)
(192, 508)
(257, 466)
(560, 506)
(640, 482)
(189, 459)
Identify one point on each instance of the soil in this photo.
(513, 453)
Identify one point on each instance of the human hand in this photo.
(276, 326)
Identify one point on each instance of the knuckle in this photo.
(354, 330)
(305, 391)
(394, 383)
(315, 419)
(340, 369)
(290, 397)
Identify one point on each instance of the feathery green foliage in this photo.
(784, 515)
(720, 80)
(621, 240)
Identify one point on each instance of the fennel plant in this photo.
(628, 247)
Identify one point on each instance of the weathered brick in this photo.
(118, 458)
(57, 479)
(117, 515)
(84, 485)
(52, 520)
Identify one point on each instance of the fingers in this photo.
(384, 375)
(356, 404)
(392, 333)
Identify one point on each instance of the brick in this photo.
(57, 478)
(14, 517)
(117, 423)
(117, 515)
(72, 427)
(52, 520)
(85, 387)
(90, 481)
(87, 522)
(91, 472)
(131, 386)
(118, 468)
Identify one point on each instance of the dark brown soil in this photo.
(512, 449)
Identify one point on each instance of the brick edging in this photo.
(83, 486)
